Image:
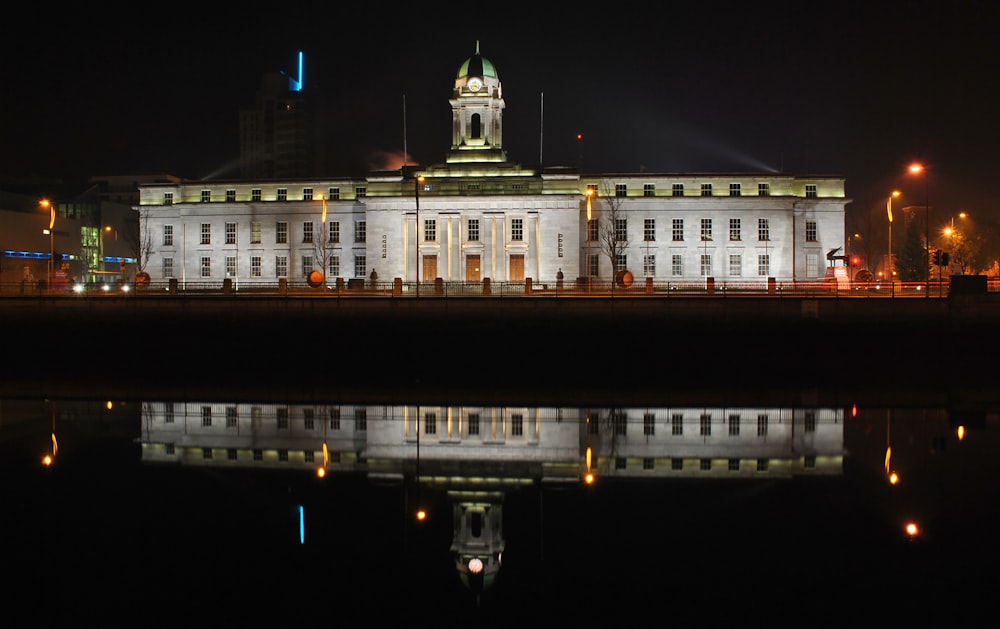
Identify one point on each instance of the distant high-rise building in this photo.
(282, 137)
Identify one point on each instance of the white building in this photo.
(483, 217)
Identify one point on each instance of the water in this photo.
(792, 520)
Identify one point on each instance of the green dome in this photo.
(477, 65)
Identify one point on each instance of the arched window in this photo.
(477, 127)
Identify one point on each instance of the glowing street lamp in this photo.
(45, 203)
(590, 194)
(920, 169)
(895, 193)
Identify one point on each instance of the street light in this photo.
(950, 233)
(107, 229)
(590, 194)
(895, 193)
(417, 181)
(45, 203)
(920, 169)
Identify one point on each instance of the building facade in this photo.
(479, 216)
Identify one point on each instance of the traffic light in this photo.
(937, 258)
(855, 260)
(945, 258)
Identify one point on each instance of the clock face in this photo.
(475, 85)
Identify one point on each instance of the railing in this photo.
(358, 288)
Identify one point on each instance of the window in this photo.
(762, 425)
(283, 455)
(206, 453)
(706, 229)
(677, 230)
(360, 266)
(735, 190)
(361, 419)
(809, 461)
(206, 196)
(255, 233)
(308, 418)
(676, 464)
(206, 416)
(620, 463)
(281, 266)
(621, 262)
(430, 230)
(281, 233)
(735, 264)
(762, 464)
(230, 196)
(255, 194)
(649, 424)
(649, 230)
(677, 424)
(206, 233)
(360, 231)
(810, 231)
(594, 264)
(764, 265)
(334, 419)
(231, 454)
(734, 465)
(592, 230)
(255, 270)
(307, 194)
(168, 235)
(282, 194)
(307, 232)
(230, 233)
(258, 454)
(232, 417)
(168, 412)
(473, 229)
(517, 229)
(517, 425)
(811, 190)
(168, 267)
(705, 465)
(648, 463)
(168, 198)
(307, 265)
(334, 194)
(334, 231)
(763, 189)
(677, 190)
(763, 229)
(734, 425)
(430, 423)
(735, 229)
(706, 189)
(621, 190)
(676, 265)
(649, 265)
(334, 266)
(706, 264)
(282, 417)
(621, 229)
(230, 266)
(360, 192)
(473, 423)
(810, 421)
(649, 190)
(206, 266)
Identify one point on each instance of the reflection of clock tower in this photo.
(477, 113)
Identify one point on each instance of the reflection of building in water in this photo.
(477, 454)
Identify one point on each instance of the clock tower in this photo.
(477, 113)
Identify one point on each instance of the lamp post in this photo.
(950, 233)
(920, 169)
(45, 203)
(590, 194)
(416, 229)
(101, 266)
(895, 193)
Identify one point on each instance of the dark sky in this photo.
(858, 89)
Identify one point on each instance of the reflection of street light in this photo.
(895, 193)
(920, 169)
(45, 203)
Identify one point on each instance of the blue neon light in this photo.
(302, 525)
(295, 84)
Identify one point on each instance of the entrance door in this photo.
(472, 268)
(430, 268)
(517, 268)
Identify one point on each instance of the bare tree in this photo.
(140, 239)
(612, 231)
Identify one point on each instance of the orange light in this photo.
(110, 404)
(916, 169)
(47, 460)
(912, 530)
(893, 478)
(320, 472)
(588, 479)
(961, 433)
(854, 410)
(421, 515)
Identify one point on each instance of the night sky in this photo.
(858, 89)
